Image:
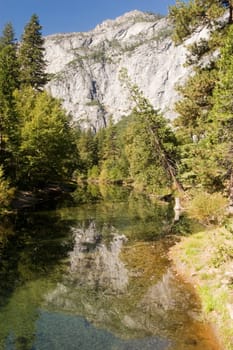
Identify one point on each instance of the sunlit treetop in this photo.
(188, 16)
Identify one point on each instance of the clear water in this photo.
(96, 276)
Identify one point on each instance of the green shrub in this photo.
(93, 173)
(208, 208)
(6, 191)
(111, 172)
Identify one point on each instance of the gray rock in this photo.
(85, 67)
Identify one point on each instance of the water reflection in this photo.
(29, 266)
(129, 290)
(94, 263)
(89, 278)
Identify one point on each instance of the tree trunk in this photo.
(230, 20)
(170, 170)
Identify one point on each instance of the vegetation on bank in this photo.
(36, 139)
(204, 128)
(205, 259)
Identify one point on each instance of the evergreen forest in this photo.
(41, 144)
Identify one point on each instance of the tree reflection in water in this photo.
(96, 275)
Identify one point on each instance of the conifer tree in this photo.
(8, 66)
(203, 156)
(195, 103)
(87, 147)
(8, 36)
(221, 116)
(189, 15)
(31, 56)
(9, 81)
(158, 134)
(111, 151)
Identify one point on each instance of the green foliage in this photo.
(93, 173)
(110, 172)
(9, 68)
(111, 153)
(8, 36)
(202, 164)
(87, 148)
(189, 15)
(161, 141)
(31, 55)
(37, 144)
(193, 108)
(208, 299)
(215, 150)
(6, 191)
(47, 150)
(208, 208)
(98, 56)
(223, 254)
(9, 72)
(222, 112)
(144, 165)
(181, 15)
(203, 128)
(110, 148)
(196, 51)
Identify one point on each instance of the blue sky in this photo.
(62, 16)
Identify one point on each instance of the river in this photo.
(96, 276)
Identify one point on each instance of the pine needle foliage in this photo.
(31, 56)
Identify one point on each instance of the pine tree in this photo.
(221, 116)
(157, 134)
(87, 147)
(202, 155)
(9, 81)
(8, 36)
(9, 69)
(187, 16)
(110, 148)
(31, 56)
(112, 160)
(196, 102)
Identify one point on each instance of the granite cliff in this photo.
(84, 67)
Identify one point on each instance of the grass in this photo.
(206, 260)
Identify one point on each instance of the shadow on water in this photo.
(96, 276)
(30, 246)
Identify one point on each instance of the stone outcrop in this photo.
(85, 67)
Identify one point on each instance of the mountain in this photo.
(84, 67)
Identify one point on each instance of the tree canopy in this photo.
(47, 142)
(31, 55)
(187, 16)
(39, 144)
(36, 140)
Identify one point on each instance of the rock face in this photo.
(85, 67)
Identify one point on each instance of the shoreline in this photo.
(205, 260)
